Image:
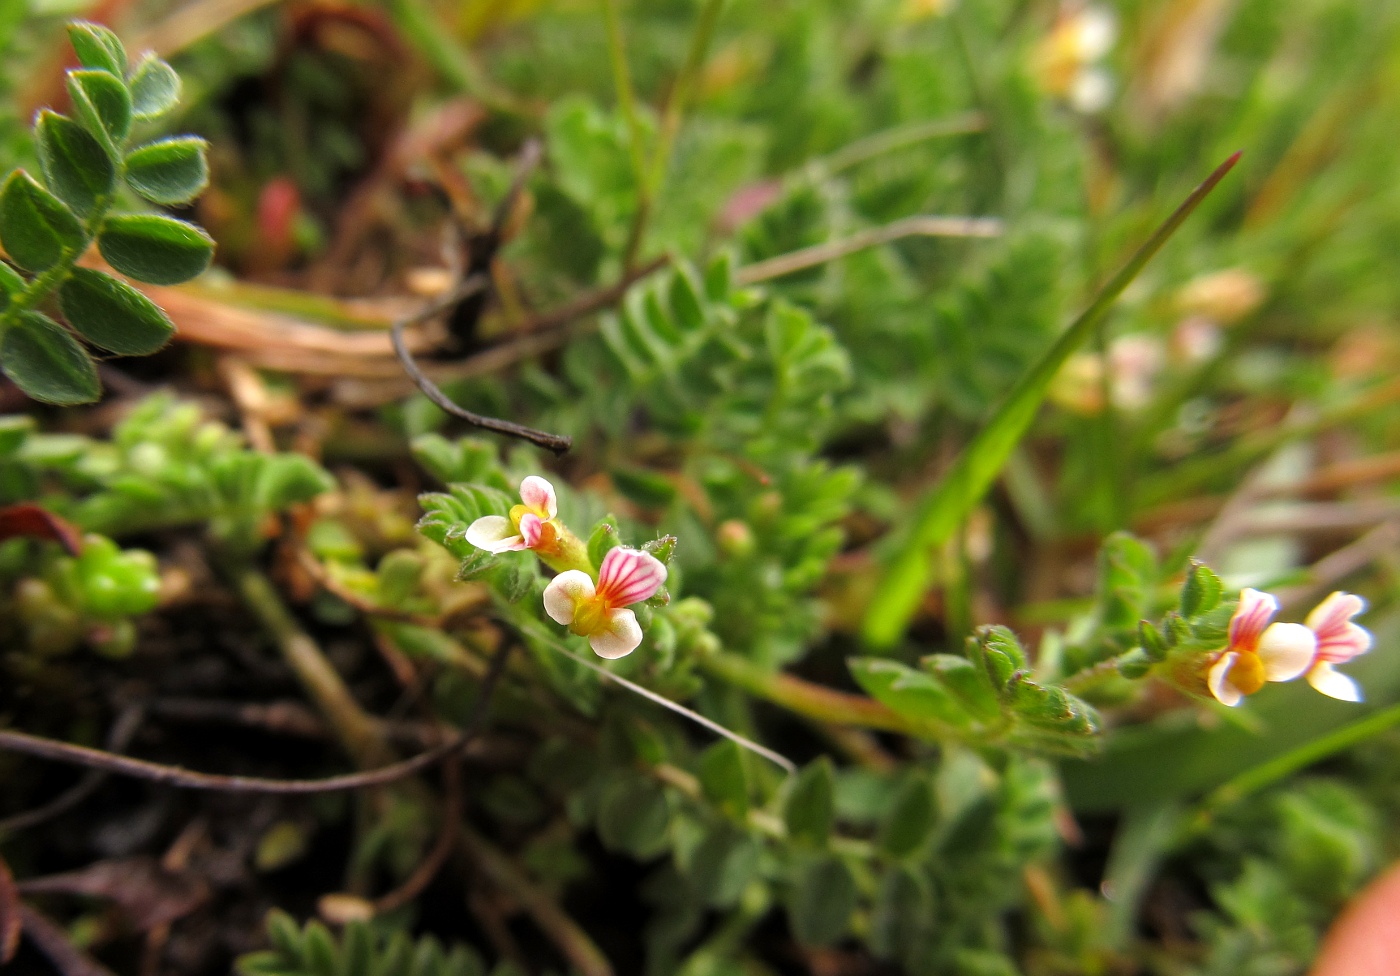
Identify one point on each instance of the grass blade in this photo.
(897, 597)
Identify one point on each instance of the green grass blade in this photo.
(978, 465)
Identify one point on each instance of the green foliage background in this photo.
(969, 801)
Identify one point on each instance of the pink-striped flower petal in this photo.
(538, 494)
(1286, 651)
(1251, 617)
(494, 533)
(565, 592)
(619, 637)
(629, 576)
(530, 528)
(1338, 639)
(1332, 683)
(1219, 680)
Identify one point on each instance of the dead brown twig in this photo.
(67, 752)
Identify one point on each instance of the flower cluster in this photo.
(1068, 60)
(598, 611)
(1260, 650)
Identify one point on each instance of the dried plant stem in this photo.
(123, 731)
(571, 940)
(773, 757)
(428, 869)
(468, 286)
(357, 731)
(50, 939)
(921, 226)
(891, 140)
(67, 752)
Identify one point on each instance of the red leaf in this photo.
(38, 523)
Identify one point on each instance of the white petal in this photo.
(629, 576)
(1091, 91)
(620, 638)
(538, 494)
(1333, 683)
(565, 592)
(494, 533)
(1096, 31)
(1219, 680)
(1286, 651)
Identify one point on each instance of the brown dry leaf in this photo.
(10, 923)
(147, 894)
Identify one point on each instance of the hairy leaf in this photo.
(75, 166)
(47, 363)
(113, 315)
(158, 250)
(35, 227)
(170, 172)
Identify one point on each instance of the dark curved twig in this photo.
(124, 729)
(67, 752)
(428, 869)
(470, 285)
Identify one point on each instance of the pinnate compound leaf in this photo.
(810, 810)
(821, 903)
(35, 227)
(97, 47)
(103, 105)
(75, 166)
(153, 249)
(47, 363)
(155, 88)
(113, 315)
(170, 172)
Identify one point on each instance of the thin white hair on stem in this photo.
(774, 757)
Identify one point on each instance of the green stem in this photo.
(1268, 773)
(626, 97)
(652, 178)
(806, 698)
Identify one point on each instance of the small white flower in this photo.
(529, 526)
(1338, 641)
(1259, 651)
(599, 612)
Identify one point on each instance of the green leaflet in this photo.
(47, 363)
(35, 227)
(157, 250)
(112, 314)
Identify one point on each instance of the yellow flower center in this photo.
(1247, 673)
(589, 616)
